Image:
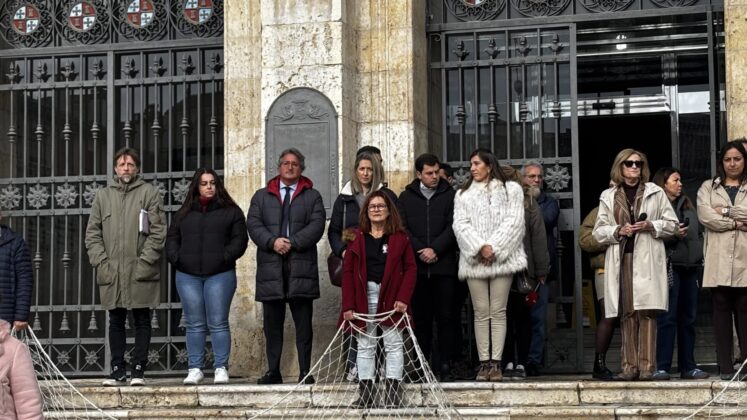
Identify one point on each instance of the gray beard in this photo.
(534, 192)
(126, 179)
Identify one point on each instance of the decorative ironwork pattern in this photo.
(557, 177)
(674, 3)
(41, 23)
(83, 22)
(535, 8)
(27, 23)
(475, 10)
(141, 20)
(203, 18)
(601, 6)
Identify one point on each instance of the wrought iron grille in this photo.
(455, 11)
(508, 91)
(66, 110)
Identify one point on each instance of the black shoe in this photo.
(601, 372)
(393, 393)
(305, 378)
(117, 377)
(726, 376)
(445, 374)
(270, 378)
(138, 376)
(533, 369)
(366, 390)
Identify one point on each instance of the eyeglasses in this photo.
(632, 163)
(377, 207)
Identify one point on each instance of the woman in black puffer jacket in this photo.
(206, 237)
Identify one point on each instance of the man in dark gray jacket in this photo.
(285, 221)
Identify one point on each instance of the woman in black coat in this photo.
(206, 237)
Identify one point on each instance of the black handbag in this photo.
(523, 283)
(334, 263)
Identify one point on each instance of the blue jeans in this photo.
(206, 301)
(539, 318)
(679, 320)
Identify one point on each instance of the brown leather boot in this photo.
(483, 375)
(495, 374)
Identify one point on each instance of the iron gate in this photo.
(503, 75)
(79, 80)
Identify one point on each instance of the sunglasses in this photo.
(632, 163)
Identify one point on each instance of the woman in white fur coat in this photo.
(489, 228)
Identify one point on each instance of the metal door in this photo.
(79, 80)
(511, 91)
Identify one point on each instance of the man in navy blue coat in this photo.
(533, 175)
(16, 278)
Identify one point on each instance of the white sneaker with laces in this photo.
(194, 377)
(220, 376)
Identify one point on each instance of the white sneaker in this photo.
(220, 376)
(194, 377)
(137, 382)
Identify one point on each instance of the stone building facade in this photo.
(371, 59)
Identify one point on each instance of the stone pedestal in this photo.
(369, 58)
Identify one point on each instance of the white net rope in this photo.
(405, 389)
(61, 399)
(728, 400)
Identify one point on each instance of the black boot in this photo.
(393, 393)
(445, 373)
(601, 371)
(366, 389)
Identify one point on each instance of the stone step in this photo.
(599, 412)
(560, 397)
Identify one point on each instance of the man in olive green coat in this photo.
(125, 235)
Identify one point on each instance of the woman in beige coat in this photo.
(722, 209)
(635, 271)
(20, 398)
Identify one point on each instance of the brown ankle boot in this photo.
(495, 374)
(483, 375)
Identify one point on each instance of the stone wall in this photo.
(368, 58)
(735, 17)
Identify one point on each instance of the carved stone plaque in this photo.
(305, 119)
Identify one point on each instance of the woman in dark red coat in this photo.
(379, 275)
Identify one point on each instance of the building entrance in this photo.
(601, 138)
(569, 88)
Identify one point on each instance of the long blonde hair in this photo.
(376, 178)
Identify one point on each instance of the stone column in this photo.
(244, 166)
(735, 16)
(368, 57)
(392, 84)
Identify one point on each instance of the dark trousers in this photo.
(118, 336)
(518, 330)
(433, 298)
(274, 318)
(729, 302)
(679, 320)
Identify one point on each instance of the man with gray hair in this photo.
(285, 221)
(533, 174)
